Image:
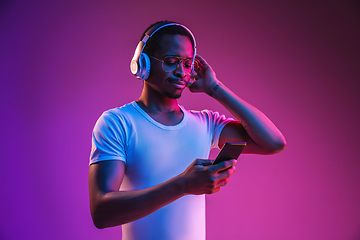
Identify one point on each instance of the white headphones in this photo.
(140, 63)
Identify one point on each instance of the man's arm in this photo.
(111, 207)
(253, 126)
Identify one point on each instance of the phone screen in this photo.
(231, 150)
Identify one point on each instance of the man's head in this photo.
(170, 78)
(154, 43)
(150, 42)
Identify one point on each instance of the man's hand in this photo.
(201, 177)
(204, 76)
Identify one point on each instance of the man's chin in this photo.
(173, 96)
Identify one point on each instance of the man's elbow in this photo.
(277, 146)
(98, 221)
(99, 216)
(104, 217)
(272, 147)
(99, 224)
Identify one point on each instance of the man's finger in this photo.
(204, 162)
(224, 165)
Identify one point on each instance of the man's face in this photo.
(171, 84)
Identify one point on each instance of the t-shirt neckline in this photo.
(174, 127)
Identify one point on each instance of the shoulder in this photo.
(124, 110)
(115, 117)
(118, 113)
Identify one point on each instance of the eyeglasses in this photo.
(170, 63)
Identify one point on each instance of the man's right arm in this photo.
(111, 207)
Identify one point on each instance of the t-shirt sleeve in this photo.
(217, 122)
(108, 139)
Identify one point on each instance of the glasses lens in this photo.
(171, 63)
(187, 64)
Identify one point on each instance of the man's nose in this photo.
(180, 69)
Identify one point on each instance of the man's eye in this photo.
(170, 61)
(188, 63)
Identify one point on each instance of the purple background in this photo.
(64, 62)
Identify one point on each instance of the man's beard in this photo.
(172, 96)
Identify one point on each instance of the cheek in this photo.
(157, 73)
(154, 72)
(155, 68)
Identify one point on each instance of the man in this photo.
(148, 167)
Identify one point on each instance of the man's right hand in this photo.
(202, 177)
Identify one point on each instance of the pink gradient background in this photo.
(64, 62)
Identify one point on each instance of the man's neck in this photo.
(149, 105)
(162, 109)
(153, 101)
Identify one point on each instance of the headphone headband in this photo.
(140, 63)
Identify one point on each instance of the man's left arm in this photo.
(252, 127)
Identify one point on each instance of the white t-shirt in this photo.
(153, 154)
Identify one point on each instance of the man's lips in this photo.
(178, 83)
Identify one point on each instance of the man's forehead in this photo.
(176, 42)
(173, 37)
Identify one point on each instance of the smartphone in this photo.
(231, 150)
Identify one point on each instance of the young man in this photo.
(148, 167)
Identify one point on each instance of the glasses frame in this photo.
(181, 61)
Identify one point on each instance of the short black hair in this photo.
(153, 43)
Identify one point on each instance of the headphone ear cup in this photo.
(144, 66)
